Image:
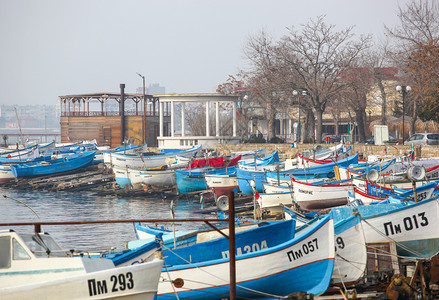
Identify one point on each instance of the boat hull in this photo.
(312, 197)
(304, 263)
(132, 282)
(414, 227)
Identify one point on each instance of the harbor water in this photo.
(85, 206)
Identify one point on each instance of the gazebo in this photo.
(178, 137)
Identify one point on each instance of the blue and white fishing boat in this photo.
(255, 163)
(124, 149)
(152, 160)
(192, 180)
(245, 179)
(317, 172)
(59, 165)
(350, 245)
(414, 227)
(285, 264)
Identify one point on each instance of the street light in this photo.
(145, 138)
(403, 89)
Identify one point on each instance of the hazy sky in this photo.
(58, 47)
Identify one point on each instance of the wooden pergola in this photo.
(79, 105)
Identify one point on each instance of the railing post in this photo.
(232, 247)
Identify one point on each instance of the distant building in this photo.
(155, 88)
(152, 89)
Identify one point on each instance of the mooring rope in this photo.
(414, 252)
(217, 277)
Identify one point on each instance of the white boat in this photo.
(365, 197)
(351, 253)
(6, 174)
(126, 149)
(321, 196)
(221, 184)
(413, 227)
(159, 178)
(274, 202)
(350, 247)
(149, 161)
(33, 266)
(278, 188)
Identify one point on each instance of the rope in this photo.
(414, 252)
(219, 278)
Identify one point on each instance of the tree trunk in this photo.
(384, 103)
(336, 121)
(308, 128)
(271, 124)
(319, 123)
(359, 118)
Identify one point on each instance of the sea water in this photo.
(31, 206)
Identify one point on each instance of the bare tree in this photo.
(317, 55)
(359, 81)
(263, 77)
(236, 85)
(419, 25)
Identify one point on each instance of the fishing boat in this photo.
(285, 264)
(350, 246)
(59, 165)
(414, 227)
(6, 174)
(275, 202)
(269, 162)
(278, 188)
(366, 198)
(320, 196)
(221, 184)
(159, 177)
(307, 162)
(123, 149)
(33, 266)
(245, 177)
(423, 192)
(317, 172)
(151, 160)
(192, 180)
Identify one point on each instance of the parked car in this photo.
(423, 139)
(332, 138)
(371, 140)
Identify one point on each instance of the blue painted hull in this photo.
(193, 181)
(295, 280)
(64, 164)
(282, 274)
(323, 171)
(244, 177)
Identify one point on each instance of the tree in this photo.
(419, 26)
(263, 77)
(424, 65)
(235, 85)
(317, 55)
(359, 81)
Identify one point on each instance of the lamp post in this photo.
(145, 136)
(403, 89)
